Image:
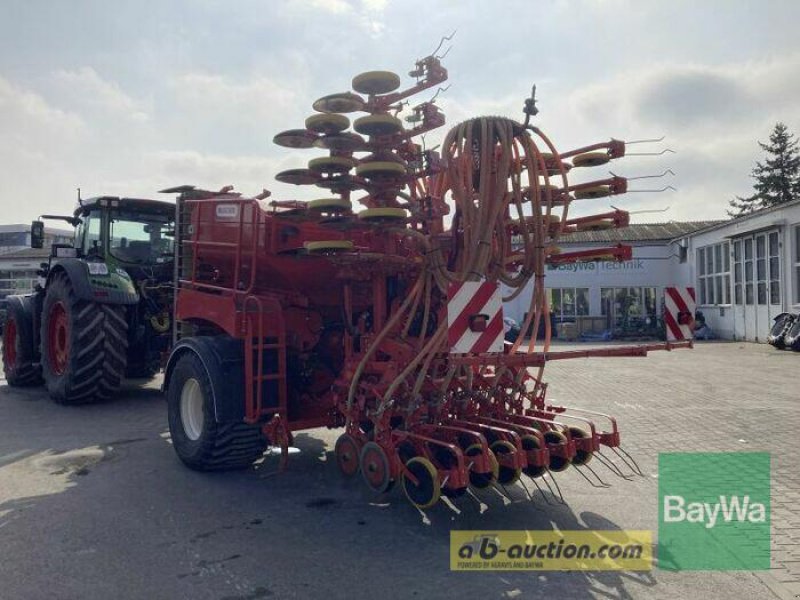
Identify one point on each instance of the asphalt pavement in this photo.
(95, 505)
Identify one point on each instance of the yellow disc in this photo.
(345, 141)
(339, 103)
(295, 138)
(376, 82)
(380, 169)
(553, 250)
(590, 159)
(330, 205)
(598, 191)
(298, 176)
(327, 123)
(328, 246)
(383, 214)
(376, 125)
(599, 225)
(427, 492)
(331, 164)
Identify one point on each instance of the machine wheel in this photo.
(378, 125)
(505, 475)
(375, 468)
(427, 492)
(200, 442)
(382, 216)
(346, 451)
(327, 123)
(482, 480)
(590, 159)
(18, 351)
(376, 82)
(84, 345)
(331, 164)
(581, 456)
(295, 138)
(531, 442)
(339, 103)
(557, 463)
(598, 191)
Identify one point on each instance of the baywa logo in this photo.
(714, 511)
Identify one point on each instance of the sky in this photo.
(132, 96)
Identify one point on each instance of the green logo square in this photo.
(714, 511)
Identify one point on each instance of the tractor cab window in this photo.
(89, 234)
(140, 239)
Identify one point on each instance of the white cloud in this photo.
(87, 90)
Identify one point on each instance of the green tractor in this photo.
(102, 309)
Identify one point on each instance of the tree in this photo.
(777, 179)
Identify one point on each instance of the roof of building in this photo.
(639, 232)
(764, 211)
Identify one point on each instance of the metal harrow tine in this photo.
(541, 491)
(609, 464)
(481, 506)
(559, 496)
(527, 491)
(496, 487)
(634, 466)
(602, 483)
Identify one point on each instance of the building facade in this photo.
(614, 298)
(746, 271)
(19, 262)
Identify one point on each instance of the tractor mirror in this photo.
(37, 234)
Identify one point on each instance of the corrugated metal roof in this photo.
(639, 232)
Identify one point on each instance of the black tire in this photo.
(19, 355)
(781, 326)
(92, 364)
(793, 336)
(212, 446)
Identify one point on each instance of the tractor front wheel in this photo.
(83, 345)
(200, 442)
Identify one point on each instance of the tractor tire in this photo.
(19, 364)
(793, 336)
(200, 442)
(777, 334)
(84, 345)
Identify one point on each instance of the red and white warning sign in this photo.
(474, 317)
(679, 308)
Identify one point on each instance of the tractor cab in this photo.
(127, 232)
(123, 232)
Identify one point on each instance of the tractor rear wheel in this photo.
(18, 352)
(200, 442)
(83, 345)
